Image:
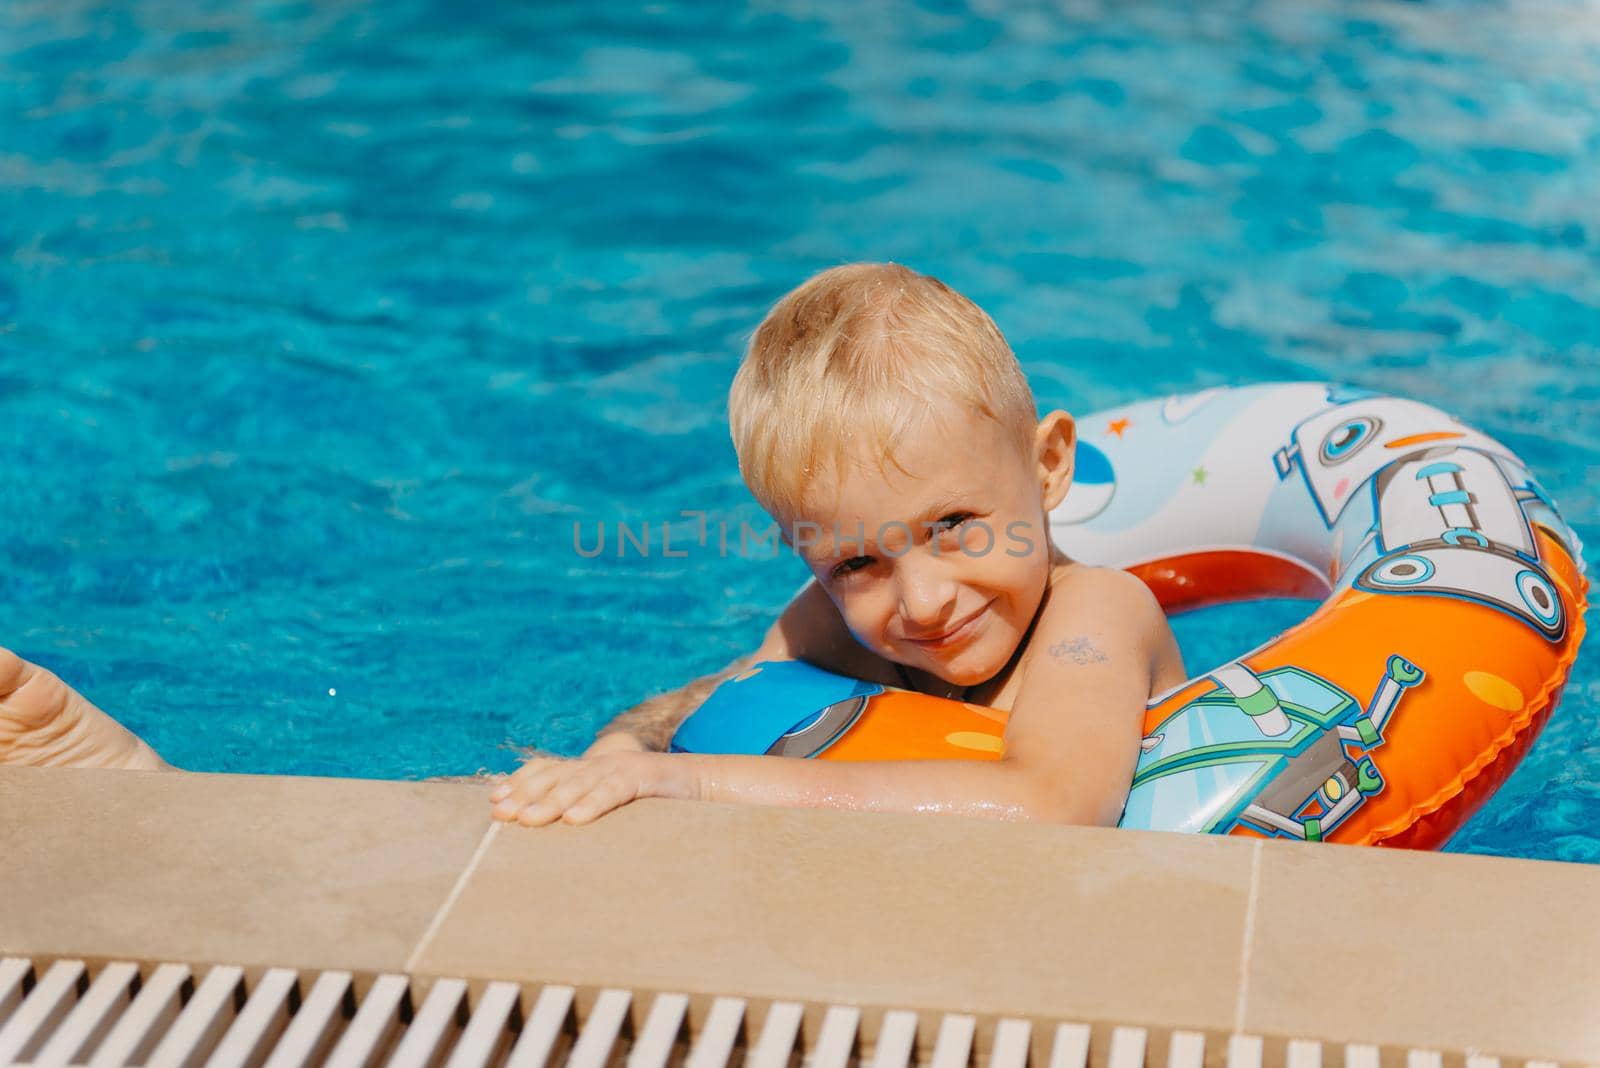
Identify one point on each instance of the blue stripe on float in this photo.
(1443, 467)
(1439, 500)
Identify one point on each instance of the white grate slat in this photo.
(1360, 1055)
(778, 1035)
(1127, 1047)
(953, 1046)
(718, 1035)
(109, 994)
(487, 1032)
(307, 1038)
(1186, 1050)
(201, 1023)
(1071, 1049)
(1011, 1038)
(152, 1011)
(837, 1039)
(428, 1031)
(897, 1039)
(1304, 1053)
(259, 1024)
(50, 1000)
(374, 1023)
(1424, 1058)
(14, 972)
(653, 1047)
(602, 1029)
(1244, 1051)
(543, 1029)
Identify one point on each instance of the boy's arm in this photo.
(1071, 740)
(649, 725)
(1076, 724)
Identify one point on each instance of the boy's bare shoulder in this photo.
(1093, 612)
(1085, 589)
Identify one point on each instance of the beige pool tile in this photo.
(873, 909)
(245, 869)
(1416, 949)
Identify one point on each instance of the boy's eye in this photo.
(845, 567)
(951, 521)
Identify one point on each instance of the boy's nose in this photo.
(926, 598)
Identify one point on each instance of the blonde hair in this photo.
(857, 351)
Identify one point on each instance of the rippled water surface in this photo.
(320, 323)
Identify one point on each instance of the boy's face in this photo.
(941, 566)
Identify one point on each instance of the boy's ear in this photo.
(1055, 446)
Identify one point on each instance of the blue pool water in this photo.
(321, 323)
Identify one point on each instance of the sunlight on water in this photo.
(320, 324)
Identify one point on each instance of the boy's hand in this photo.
(546, 789)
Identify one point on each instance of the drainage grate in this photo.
(172, 1016)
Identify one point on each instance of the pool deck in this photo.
(1459, 954)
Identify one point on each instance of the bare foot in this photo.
(46, 723)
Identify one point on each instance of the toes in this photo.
(46, 723)
(14, 671)
(36, 726)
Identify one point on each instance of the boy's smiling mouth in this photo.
(955, 636)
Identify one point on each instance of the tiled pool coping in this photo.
(1455, 953)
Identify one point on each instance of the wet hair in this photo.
(851, 359)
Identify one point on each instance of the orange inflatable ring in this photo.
(1453, 606)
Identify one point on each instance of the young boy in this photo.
(882, 420)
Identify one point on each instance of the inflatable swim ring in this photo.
(1453, 607)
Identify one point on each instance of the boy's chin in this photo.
(967, 670)
(970, 678)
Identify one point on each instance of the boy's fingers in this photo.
(530, 789)
(574, 791)
(531, 806)
(516, 781)
(534, 786)
(534, 767)
(556, 801)
(606, 795)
